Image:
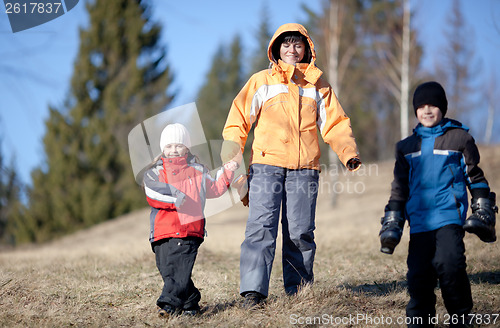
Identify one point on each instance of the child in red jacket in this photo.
(176, 187)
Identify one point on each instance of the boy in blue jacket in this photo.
(432, 170)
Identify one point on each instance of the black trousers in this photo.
(175, 259)
(432, 256)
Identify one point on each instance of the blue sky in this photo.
(36, 64)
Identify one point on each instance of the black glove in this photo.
(353, 164)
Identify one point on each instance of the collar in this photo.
(309, 71)
(174, 163)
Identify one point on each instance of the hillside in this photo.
(106, 276)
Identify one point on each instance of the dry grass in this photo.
(106, 276)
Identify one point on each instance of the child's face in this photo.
(175, 150)
(429, 115)
(292, 52)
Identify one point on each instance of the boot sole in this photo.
(389, 242)
(484, 232)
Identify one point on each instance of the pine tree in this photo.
(264, 34)
(120, 78)
(10, 200)
(223, 82)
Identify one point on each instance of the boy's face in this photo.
(429, 115)
(175, 150)
(292, 52)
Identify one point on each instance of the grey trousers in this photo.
(294, 192)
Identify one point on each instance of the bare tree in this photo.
(393, 52)
(337, 63)
(405, 70)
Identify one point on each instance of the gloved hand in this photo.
(391, 232)
(482, 221)
(353, 164)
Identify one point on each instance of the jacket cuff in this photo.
(180, 199)
(480, 193)
(395, 205)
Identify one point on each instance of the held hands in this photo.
(231, 166)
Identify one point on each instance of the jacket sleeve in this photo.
(335, 126)
(218, 186)
(477, 183)
(400, 189)
(243, 113)
(160, 194)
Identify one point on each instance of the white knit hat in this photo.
(175, 134)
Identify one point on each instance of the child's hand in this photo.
(231, 166)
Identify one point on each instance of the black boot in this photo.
(252, 300)
(392, 229)
(482, 221)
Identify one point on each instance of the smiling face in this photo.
(429, 115)
(175, 150)
(292, 52)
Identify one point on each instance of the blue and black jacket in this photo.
(433, 168)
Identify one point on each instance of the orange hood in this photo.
(290, 27)
(310, 71)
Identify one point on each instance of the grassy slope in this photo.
(106, 276)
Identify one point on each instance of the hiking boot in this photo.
(252, 300)
(166, 311)
(482, 221)
(191, 312)
(391, 232)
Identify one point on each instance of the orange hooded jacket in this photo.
(287, 104)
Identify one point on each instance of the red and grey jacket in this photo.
(176, 190)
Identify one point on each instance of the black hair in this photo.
(290, 37)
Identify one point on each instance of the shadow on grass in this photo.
(378, 289)
(490, 277)
(386, 288)
(212, 310)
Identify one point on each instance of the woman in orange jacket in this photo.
(287, 104)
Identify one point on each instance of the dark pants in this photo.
(175, 260)
(432, 256)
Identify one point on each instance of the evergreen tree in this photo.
(120, 78)
(10, 194)
(223, 82)
(261, 61)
